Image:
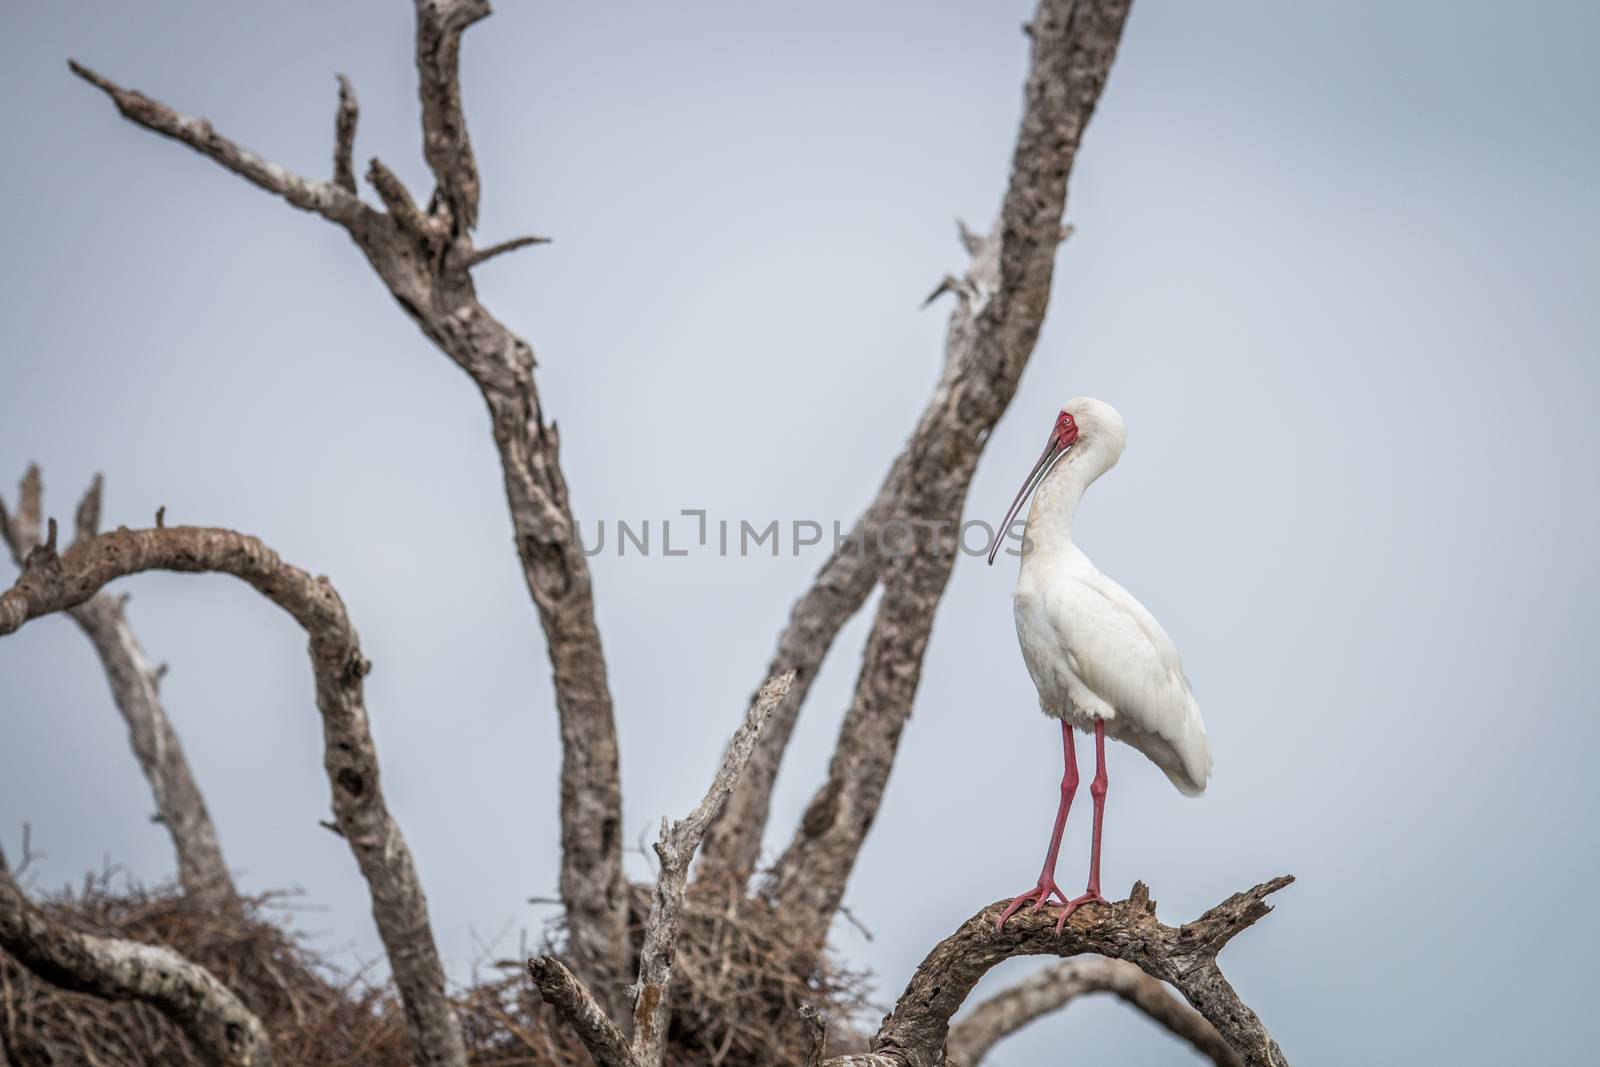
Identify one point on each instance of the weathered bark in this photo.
(676, 849)
(1054, 988)
(424, 257)
(224, 1032)
(582, 1012)
(1000, 309)
(915, 1033)
(51, 583)
(444, 124)
(817, 1036)
(344, 136)
(135, 686)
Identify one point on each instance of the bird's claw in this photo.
(1070, 906)
(1039, 894)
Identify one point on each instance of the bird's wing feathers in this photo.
(1119, 650)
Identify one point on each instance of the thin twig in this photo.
(324, 198)
(86, 521)
(676, 849)
(481, 254)
(344, 137)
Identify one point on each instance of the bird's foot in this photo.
(1091, 897)
(1039, 894)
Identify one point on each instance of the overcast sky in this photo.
(1334, 263)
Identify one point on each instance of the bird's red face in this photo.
(1062, 437)
(1066, 430)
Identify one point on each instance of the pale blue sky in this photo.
(1335, 264)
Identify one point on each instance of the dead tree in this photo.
(424, 252)
(424, 256)
(53, 582)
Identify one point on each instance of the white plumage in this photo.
(1100, 661)
(1093, 650)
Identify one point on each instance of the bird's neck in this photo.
(1055, 502)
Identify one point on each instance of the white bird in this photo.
(1099, 659)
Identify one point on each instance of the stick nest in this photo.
(739, 981)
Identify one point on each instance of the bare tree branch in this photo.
(991, 336)
(21, 528)
(914, 1034)
(324, 198)
(652, 993)
(423, 257)
(402, 209)
(444, 125)
(344, 137)
(86, 520)
(503, 247)
(582, 1012)
(676, 849)
(135, 686)
(817, 1031)
(52, 583)
(1055, 987)
(225, 1033)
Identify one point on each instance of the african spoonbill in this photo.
(1100, 661)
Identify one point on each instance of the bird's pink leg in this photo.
(1097, 789)
(1041, 893)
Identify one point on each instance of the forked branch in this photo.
(676, 850)
(52, 582)
(324, 198)
(424, 253)
(652, 993)
(916, 1032)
